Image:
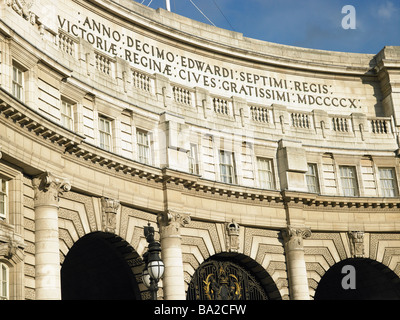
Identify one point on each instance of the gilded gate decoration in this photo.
(224, 280)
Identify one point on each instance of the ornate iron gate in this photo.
(224, 280)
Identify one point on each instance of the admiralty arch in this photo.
(265, 170)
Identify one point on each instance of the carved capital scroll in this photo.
(47, 189)
(293, 237)
(170, 222)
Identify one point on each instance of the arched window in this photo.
(4, 281)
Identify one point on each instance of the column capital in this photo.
(293, 237)
(109, 209)
(47, 189)
(170, 222)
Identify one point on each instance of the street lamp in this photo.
(154, 267)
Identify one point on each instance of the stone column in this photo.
(296, 266)
(171, 254)
(47, 189)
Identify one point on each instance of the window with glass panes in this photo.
(388, 182)
(265, 173)
(193, 160)
(143, 146)
(312, 178)
(67, 115)
(17, 82)
(3, 281)
(105, 133)
(3, 198)
(227, 166)
(348, 178)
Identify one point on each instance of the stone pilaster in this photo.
(173, 281)
(296, 266)
(109, 214)
(47, 189)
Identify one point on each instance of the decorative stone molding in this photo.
(47, 189)
(293, 237)
(356, 239)
(232, 236)
(110, 210)
(22, 7)
(170, 222)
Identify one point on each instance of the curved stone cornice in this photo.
(73, 144)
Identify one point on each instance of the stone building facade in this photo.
(264, 168)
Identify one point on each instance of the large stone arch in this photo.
(101, 265)
(249, 268)
(203, 240)
(323, 250)
(372, 280)
(81, 215)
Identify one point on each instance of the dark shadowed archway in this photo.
(100, 266)
(373, 281)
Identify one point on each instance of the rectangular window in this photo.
(349, 181)
(17, 83)
(67, 115)
(3, 198)
(265, 173)
(312, 178)
(105, 133)
(143, 146)
(193, 159)
(3, 282)
(388, 182)
(227, 166)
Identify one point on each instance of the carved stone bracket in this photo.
(12, 249)
(110, 210)
(293, 237)
(48, 187)
(232, 236)
(170, 222)
(356, 243)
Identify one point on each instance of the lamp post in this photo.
(154, 266)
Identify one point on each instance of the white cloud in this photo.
(387, 10)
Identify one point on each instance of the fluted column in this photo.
(171, 254)
(296, 266)
(47, 188)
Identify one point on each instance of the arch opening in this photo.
(365, 279)
(232, 276)
(100, 266)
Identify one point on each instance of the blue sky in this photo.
(313, 24)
